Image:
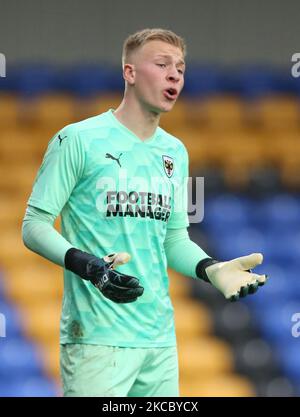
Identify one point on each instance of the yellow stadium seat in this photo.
(51, 359)
(15, 181)
(12, 248)
(94, 106)
(290, 171)
(228, 385)
(33, 283)
(223, 113)
(18, 146)
(282, 146)
(41, 321)
(11, 213)
(8, 110)
(178, 284)
(55, 110)
(205, 355)
(279, 113)
(192, 320)
(176, 119)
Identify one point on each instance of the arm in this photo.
(40, 236)
(233, 278)
(182, 253)
(62, 168)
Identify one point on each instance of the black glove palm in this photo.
(114, 285)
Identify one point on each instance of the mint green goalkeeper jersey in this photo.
(115, 193)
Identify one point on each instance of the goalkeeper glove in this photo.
(233, 278)
(114, 285)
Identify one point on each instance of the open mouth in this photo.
(170, 93)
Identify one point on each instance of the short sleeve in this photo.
(61, 169)
(179, 217)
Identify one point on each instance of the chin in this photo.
(166, 107)
(162, 108)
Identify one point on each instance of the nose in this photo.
(173, 75)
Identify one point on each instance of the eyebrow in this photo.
(181, 62)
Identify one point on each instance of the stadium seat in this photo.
(290, 361)
(202, 81)
(87, 80)
(29, 387)
(8, 110)
(279, 113)
(227, 385)
(276, 320)
(32, 80)
(224, 213)
(192, 320)
(19, 356)
(204, 356)
(41, 321)
(254, 82)
(34, 283)
(11, 317)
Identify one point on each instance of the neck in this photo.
(140, 121)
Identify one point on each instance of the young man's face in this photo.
(158, 75)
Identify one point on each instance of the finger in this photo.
(234, 297)
(253, 288)
(244, 291)
(110, 258)
(120, 258)
(122, 294)
(262, 279)
(249, 261)
(122, 280)
(124, 301)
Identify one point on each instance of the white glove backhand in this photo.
(233, 278)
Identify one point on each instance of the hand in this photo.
(114, 285)
(234, 278)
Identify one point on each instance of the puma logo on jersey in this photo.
(108, 155)
(61, 139)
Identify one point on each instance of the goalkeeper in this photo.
(117, 180)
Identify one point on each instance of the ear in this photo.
(129, 73)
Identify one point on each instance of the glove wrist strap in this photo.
(202, 265)
(76, 261)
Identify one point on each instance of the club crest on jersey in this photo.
(168, 164)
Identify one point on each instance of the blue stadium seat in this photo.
(279, 288)
(290, 361)
(202, 81)
(88, 80)
(12, 319)
(225, 214)
(284, 247)
(238, 242)
(19, 357)
(28, 387)
(275, 319)
(278, 213)
(254, 82)
(32, 80)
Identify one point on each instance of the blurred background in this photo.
(239, 118)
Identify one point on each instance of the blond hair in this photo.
(141, 37)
